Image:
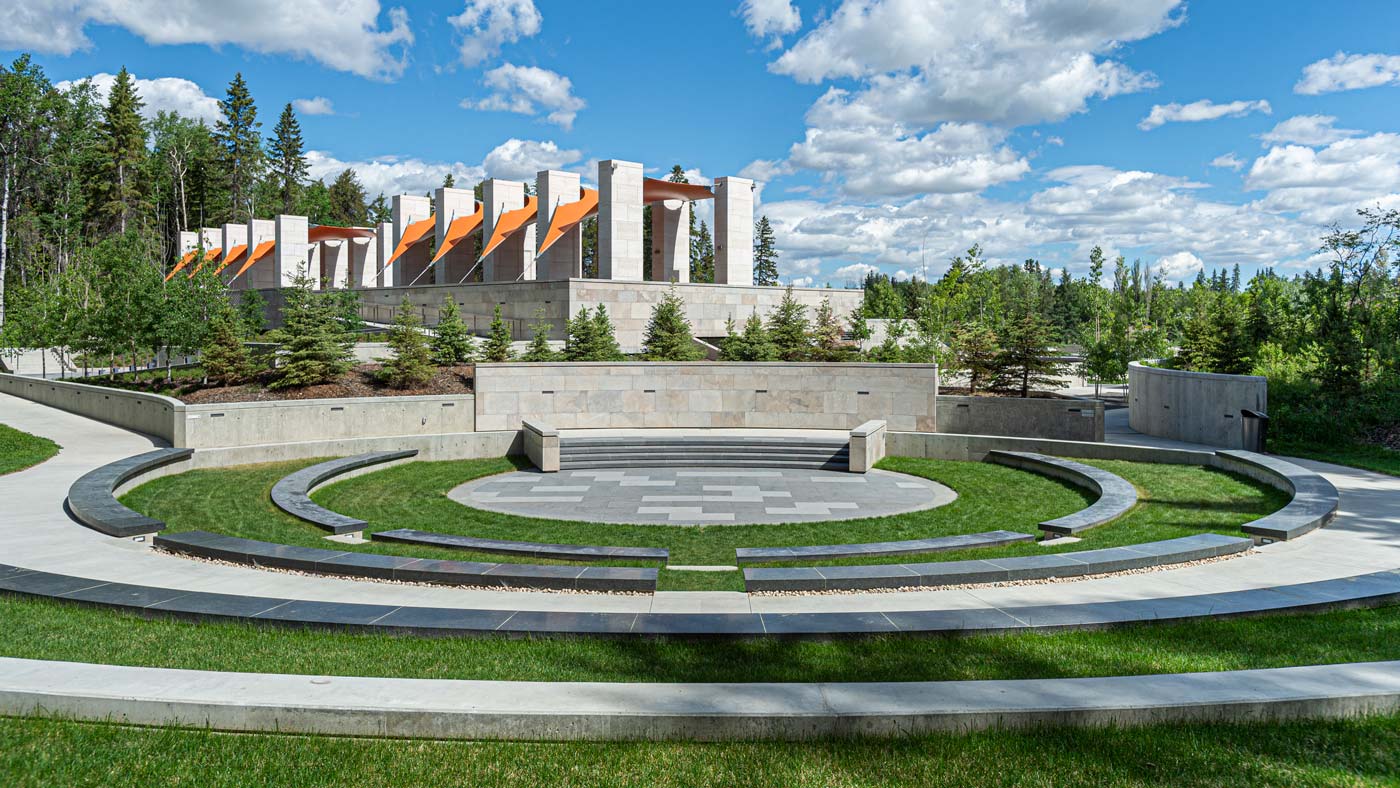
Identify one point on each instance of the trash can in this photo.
(1256, 430)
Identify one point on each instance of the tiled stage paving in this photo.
(702, 496)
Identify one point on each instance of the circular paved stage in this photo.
(702, 496)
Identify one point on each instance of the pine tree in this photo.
(668, 334)
(224, 357)
(753, 344)
(411, 364)
(121, 183)
(702, 255)
(379, 210)
(765, 253)
(315, 344)
(287, 153)
(788, 328)
(605, 347)
(580, 341)
(347, 198)
(497, 346)
(539, 349)
(453, 343)
(252, 308)
(826, 333)
(975, 350)
(1024, 362)
(240, 146)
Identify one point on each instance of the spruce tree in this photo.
(826, 333)
(702, 256)
(497, 346)
(668, 336)
(240, 146)
(453, 343)
(765, 253)
(788, 328)
(539, 349)
(224, 357)
(975, 350)
(252, 320)
(753, 344)
(121, 182)
(605, 347)
(347, 198)
(315, 344)
(1024, 362)
(287, 153)
(580, 342)
(411, 364)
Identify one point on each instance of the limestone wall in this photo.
(296, 421)
(706, 394)
(1197, 407)
(1057, 419)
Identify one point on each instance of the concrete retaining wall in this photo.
(703, 395)
(1058, 419)
(297, 421)
(975, 447)
(1198, 407)
(150, 414)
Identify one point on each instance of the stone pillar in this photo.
(189, 241)
(453, 204)
(293, 253)
(733, 231)
(262, 275)
(509, 261)
(670, 241)
(364, 262)
(620, 249)
(563, 260)
(383, 247)
(211, 238)
(232, 235)
(407, 209)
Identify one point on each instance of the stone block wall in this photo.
(294, 421)
(1058, 419)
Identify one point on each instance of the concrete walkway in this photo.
(37, 534)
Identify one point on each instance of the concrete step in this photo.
(702, 450)
(694, 462)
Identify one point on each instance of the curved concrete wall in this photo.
(150, 414)
(1198, 407)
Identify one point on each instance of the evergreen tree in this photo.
(539, 349)
(379, 210)
(605, 347)
(765, 253)
(753, 344)
(347, 200)
(252, 309)
(975, 351)
(702, 255)
(315, 345)
(826, 333)
(668, 334)
(497, 346)
(411, 364)
(580, 341)
(588, 232)
(453, 343)
(287, 154)
(240, 147)
(121, 182)
(224, 357)
(1024, 362)
(788, 328)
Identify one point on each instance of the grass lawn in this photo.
(20, 450)
(1357, 455)
(1350, 752)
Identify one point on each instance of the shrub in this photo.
(412, 364)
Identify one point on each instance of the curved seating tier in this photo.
(1373, 589)
(562, 552)
(203, 544)
(995, 570)
(1116, 495)
(93, 502)
(1313, 503)
(690, 452)
(759, 555)
(292, 493)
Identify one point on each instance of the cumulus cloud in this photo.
(1228, 161)
(1348, 72)
(522, 159)
(487, 25)
(348, 34)
(320, 105)
(529, 90)
(770, 19)
(1311, 130)
(391, 175)
(1329, 184)
(163, 94)
(855, 272)
(1179, 266)
(1198, 111)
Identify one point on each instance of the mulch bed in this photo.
(358, 382)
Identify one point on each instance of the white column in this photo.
(733, 231)
(620, 249)
(670, 241)
(211, 237)
(507, 262)
(292, 255)
(261, 275)
(189, 241)
(231, 235)
(364, 262)
(563, 260)
(383, 248)
(407, 209)
(452, 204)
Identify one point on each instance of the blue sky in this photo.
(886, 134)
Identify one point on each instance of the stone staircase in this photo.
(632, 451)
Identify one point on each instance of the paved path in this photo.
(37, 534)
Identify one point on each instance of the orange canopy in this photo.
(568, 216)
(259, 252)
(184, 261)
(326, 232)
(209, 255)
(234, 255)
(656, 190)
(413, 234)
(459, 229)
(510, 223)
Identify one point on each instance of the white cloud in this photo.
(521, 159)
(801, 281)
(346, 35)
(1228, 161)
(1198, 111)
(1328, 184)
(487, 25)
(1179, 266)
(528, 90)
(391, 175)
(320, 105)
(770, 18)
(163, 94)
(855, 272)
(1348, 72)
(1311, 130)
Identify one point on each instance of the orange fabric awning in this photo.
(259, 252)
(184, 261)
(510, 223)
(208, 256)
(326, 232)
(568, 216)
(234, 255)
(656, 190)
(459, 229)
(412, 235)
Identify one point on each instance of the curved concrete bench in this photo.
(561, 552)
(314, 560)
(93, 502)
(759, 555)
(995, 570)
(1116, 495)
(1313, 505)
(292, 493)
(1367, 590)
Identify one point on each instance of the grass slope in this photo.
(20, 450)
(1357, 455)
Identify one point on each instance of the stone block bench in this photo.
(1313, 505)
(292, 493)
(561, 552)
(314, 560)
(995, 570)
(761, 555)
(93, 502)
(1116, 495)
